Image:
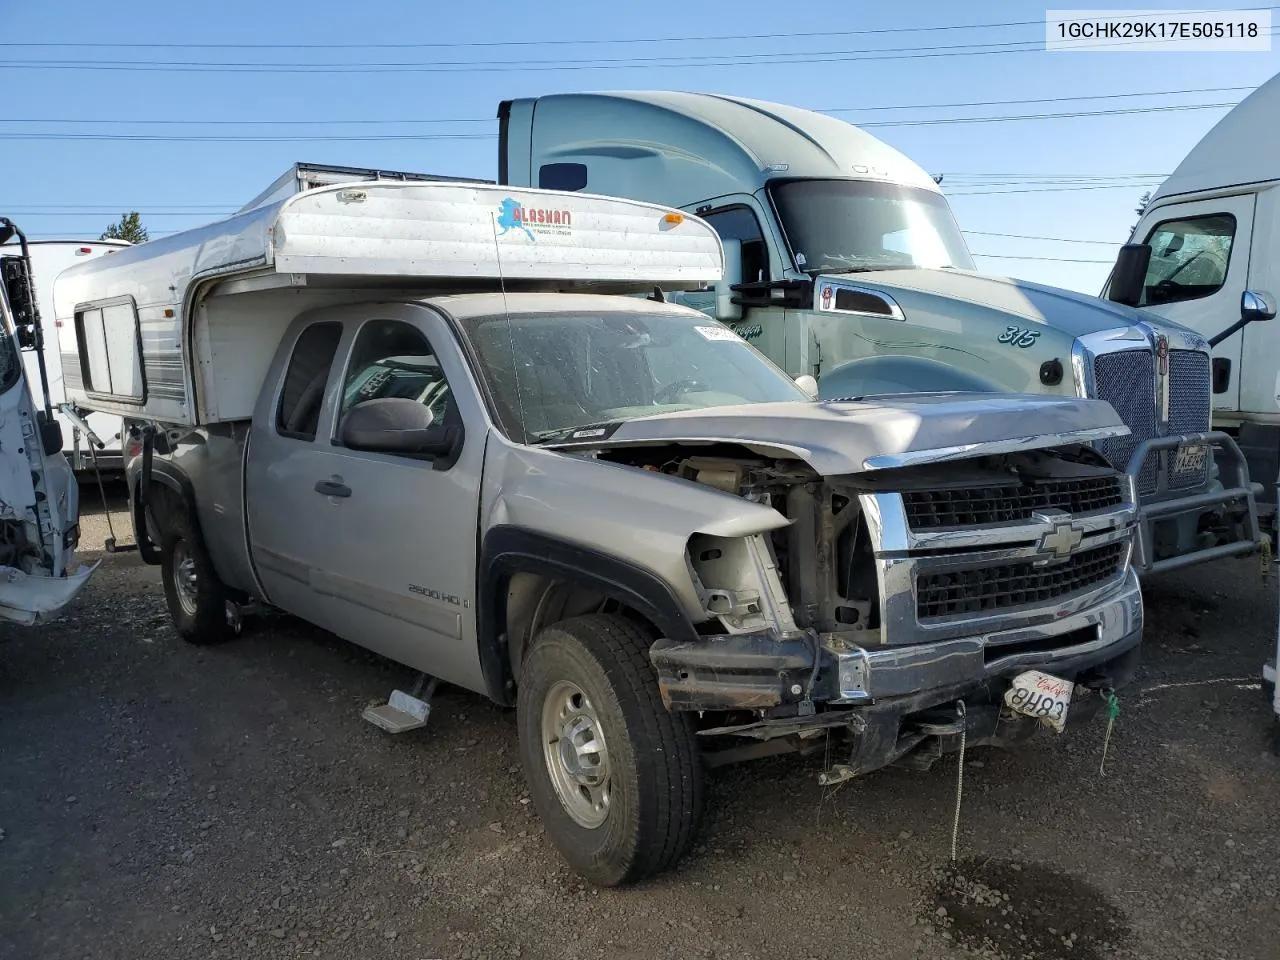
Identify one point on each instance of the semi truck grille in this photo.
(1188, 407)
(988, 589)
(1127, 380)
(979, 506)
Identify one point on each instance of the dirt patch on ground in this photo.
(1026, 911)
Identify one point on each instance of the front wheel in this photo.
(614, 775)
(196, 597)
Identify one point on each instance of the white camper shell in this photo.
(165, 333)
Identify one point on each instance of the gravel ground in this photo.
(159, 800)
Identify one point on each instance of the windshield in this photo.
(578, 369)
(853, 225)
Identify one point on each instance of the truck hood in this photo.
(842, 437)
(1075, 314)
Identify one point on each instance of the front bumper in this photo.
(889, 697)
(1238, 497)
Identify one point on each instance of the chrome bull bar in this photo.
(1225, 453)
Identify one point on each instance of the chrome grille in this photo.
(978, 506)
(1127, 380)
(1188, 407)
(995, 588)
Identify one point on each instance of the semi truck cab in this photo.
(844, 262)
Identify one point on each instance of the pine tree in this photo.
(129, 228)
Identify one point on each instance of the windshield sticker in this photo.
(717, 333)
(826, 297)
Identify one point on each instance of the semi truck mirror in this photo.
(1129, 276)
(726, 309)
(17, 290)
(1257, 305)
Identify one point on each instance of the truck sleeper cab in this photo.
(844, 262)
(619, 516)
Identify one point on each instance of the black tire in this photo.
(200, 614)
(656, 797)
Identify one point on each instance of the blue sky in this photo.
(1003, 177)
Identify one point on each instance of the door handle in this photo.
(331, 488)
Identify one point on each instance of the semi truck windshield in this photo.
(851, 225)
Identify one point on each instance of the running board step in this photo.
(403, 711)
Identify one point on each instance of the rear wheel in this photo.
(196, 597)
(614, 775)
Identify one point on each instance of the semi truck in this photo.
(464, 426)
(844, 262)
(1208, 249)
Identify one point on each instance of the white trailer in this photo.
(48, 259)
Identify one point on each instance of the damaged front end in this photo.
(894, 594)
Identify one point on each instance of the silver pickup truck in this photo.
(619, 517)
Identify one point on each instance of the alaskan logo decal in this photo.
(513, 215)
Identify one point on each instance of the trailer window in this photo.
(298, 413)
(111, 351)
(1189, 258)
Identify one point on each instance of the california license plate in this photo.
(1190, 458)
(1041, 695)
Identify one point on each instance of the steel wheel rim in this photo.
(576, 755)
(185, 580)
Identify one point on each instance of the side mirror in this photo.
(809, 385)
(1129, 275)
(17, 290)
(50, 435)
(1257, 305)
(726, 309)
(396, 425)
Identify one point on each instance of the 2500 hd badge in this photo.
(437, 595)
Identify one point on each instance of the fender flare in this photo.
(507, 550)
(171, 478)
(890, 374)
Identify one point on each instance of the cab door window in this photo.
(391, 358)
(1189, 258)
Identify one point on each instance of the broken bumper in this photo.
(28, 599)
(890, 697)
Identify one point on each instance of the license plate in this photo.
(1041, 695)
(1190, 458)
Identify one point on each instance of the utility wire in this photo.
(711, 60)
(1129, 15)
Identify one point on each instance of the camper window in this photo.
(111, 350)
(298, 412)
(740, 223)
(1189, 258)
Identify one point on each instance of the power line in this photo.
(1134, 15)
(711, 60)
(986, 193)
(1010, 256)
(393, 137)
(364, 121)
(1025, 236)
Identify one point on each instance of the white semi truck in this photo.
(844, 262)
(1211, 236)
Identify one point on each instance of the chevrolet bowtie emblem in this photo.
(1061, 540)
